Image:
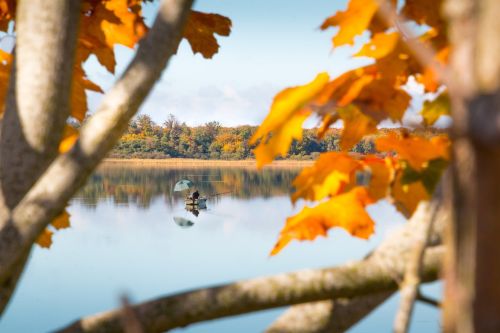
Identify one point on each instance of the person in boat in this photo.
(195, 196)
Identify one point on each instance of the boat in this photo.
(200, 202)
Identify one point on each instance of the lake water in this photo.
(124, 240)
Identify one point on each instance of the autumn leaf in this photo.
(45, 239)
(429, 78)
(408, 196)
(61, 221)
(70, 135)
(7, 13)
(5, 68)
(415, 149)
(381, 174)
(284, 121)
(327, 177)
(356, 125)
(379, 46)
(346, 211)
(200, 32)
(351, 22)
(78, 96)
(432, 110)
(429, 176)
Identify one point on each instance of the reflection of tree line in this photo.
(139, 186)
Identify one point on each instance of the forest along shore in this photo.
(193, 163)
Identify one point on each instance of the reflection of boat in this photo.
(183, 222)
(201, 203)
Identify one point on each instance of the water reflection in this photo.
(140, 186)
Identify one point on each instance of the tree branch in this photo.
(410, 286)
(37, 103)
(66, 174)
(37, 106)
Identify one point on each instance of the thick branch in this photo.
(332, 316)
(38, 99)
(65, 175)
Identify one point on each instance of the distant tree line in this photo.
(146, 139)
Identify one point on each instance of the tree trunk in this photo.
(473, 272)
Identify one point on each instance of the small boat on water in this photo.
(200, 202)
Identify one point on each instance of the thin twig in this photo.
(428, 300)
(409, 289)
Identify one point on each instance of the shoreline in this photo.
(198, 163)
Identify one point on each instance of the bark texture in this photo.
(378, 273)
(472, 301)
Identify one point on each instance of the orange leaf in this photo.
(7, 13)
(284, 121)
(61, 221)
(379, 46)
(408, 196)
(356, 125)
(327, 177)
(200, 30)
(45, 239)
(381, 175)
(78, 96)
(70, 135)
(5, 68)
(345, 211)
(351, 22)
(415, 149)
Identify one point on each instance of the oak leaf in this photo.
(285, 119)
(45, 239)
(61, 221)
(200, 32)
(346, 211)
(416, 150)
(351, 22)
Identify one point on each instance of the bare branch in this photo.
(65, 175)
(332, 316)
(428, 300)
(410, 286)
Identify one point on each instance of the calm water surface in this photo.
(124, 240)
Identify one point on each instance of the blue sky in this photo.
(274, 44)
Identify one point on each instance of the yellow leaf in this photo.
(284, 121)
(328, 176)
(379, 46)
(61, 221)
(351, 22)
(346, 211)
(45, 239)
(200, 30)
(432, 110)
(356, 126)
(70, 135)
(415, 149)
(7, 13)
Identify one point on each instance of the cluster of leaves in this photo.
(146, 139)
(103, 25)
(343, 183)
